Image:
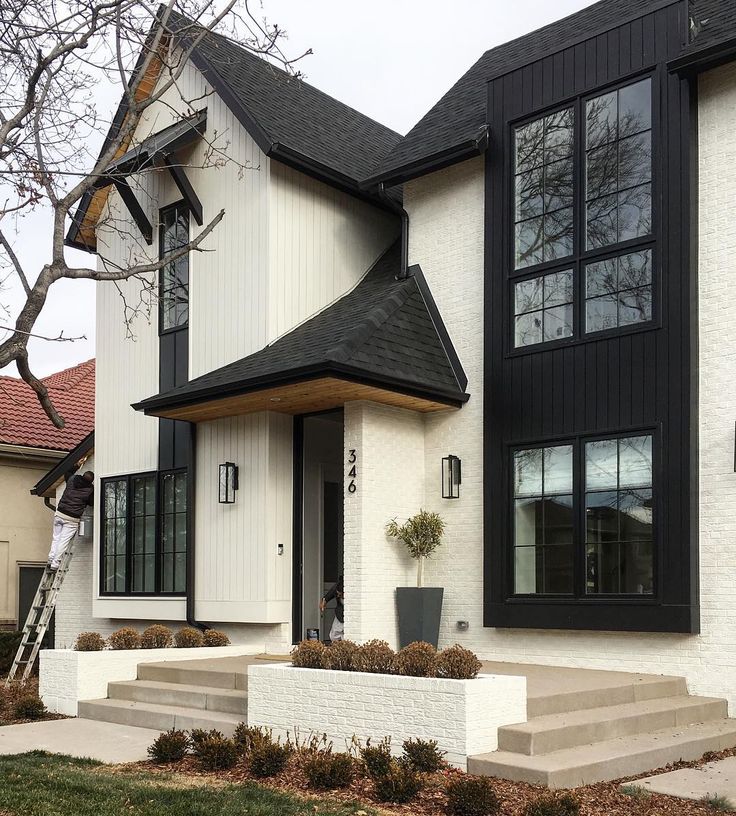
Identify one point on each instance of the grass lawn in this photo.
(39, 784)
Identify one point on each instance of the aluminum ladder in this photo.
(39, 615)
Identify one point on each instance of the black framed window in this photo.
(174, 276)
(606, 483)
(144, 534)
(582, 203)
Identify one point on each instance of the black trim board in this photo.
(297, 528)
(60, 468)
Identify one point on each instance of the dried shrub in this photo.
(217, 753)
(157, 637)
(214, 638)
(198, 735)
(247, 737)
(471, 796)
(29, 707)
(309, 654)
(418, 659)
(188, 638)
(340, 656)
(268, 759)
(125, 638)
(327, 771)
(458, 663)
(400, 785)
(423, 755)
(171, 746)
(375, 657)
(89, 642)
(564, 804)
(9, 643)
(377, 758)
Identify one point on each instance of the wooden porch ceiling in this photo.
(299, 398)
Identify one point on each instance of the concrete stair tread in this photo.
(165, 686)
(610, 759)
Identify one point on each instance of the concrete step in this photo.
(231, 701)
(611, 759)
(641, 687)
(159, 717)
(555, 732)
(192, 675)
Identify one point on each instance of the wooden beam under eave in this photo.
(185, 188)
(301, 398)
(135, 209)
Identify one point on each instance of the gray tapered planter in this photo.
(420, 610)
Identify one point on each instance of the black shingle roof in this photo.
(714, 22)
(383, 331)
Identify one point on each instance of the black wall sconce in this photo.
(451, 477)
(228, 483)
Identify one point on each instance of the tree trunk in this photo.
(420, 571)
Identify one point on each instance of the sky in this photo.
(390, 59)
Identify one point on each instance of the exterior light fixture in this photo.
(228, 483)
(451, 477)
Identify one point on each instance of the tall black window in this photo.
(595, 235)
(144, 534)
(174, 276)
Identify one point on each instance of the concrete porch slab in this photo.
(86, 739)
(714, 779)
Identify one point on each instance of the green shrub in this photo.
(423, 755)
(198, 735)
(716, 802)
(564, 804)
(417, 660)
(29, 707)
(214, 638)
(400, 785)
(375, 657)
(9, 643)
(188, 638)
(309, 654)
(327, 771)
(458, 663)
(217, 753)
(471, 796)
(157, 637)
(171, 746)
(247, 737)
(89, 642)
(377, 758)
(268, 759)
(340, 655)
(125, 638)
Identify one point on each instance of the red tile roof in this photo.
(23, 421)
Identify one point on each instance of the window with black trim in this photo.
(594, 518)
(583, 220)
(174, 276)
(144, 534)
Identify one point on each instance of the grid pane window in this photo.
(618, 291)
(173, 531)
(174, 294)
(543, 526)
(544, 179)
(618, 162)
(114, 533)
(543, 308)
(619, 553)
(143, 555)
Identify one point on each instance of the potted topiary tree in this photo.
(419, 608)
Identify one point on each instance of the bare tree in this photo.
(53, 56)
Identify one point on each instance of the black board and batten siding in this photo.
(640, 380)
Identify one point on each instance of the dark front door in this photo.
(30, 577)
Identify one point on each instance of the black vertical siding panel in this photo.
(548, 78)
(601, 384)
(624, 49)
(601, 59)
(648, 40)
(636, 53)
(558, 71)
(538, 99)
(580, 59)
(591, 64)
(614, 51)
(614, 390)
(637, 380)
(624, 351)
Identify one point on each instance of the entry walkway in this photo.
(714, 779)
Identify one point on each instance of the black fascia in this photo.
(296, 375)
(61, 468)
(710, 57)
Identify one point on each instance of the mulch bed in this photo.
(10, 696)
(602, 799)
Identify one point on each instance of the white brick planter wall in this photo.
(462, 715)
(66, 676)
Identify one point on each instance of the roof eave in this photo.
(58, 471)
(706, 58)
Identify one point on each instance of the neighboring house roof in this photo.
(24, 423)
(46, 485)
(453, 128)
(384, 331)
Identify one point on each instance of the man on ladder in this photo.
(78, 495)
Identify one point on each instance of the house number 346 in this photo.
(353, 472)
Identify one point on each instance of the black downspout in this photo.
(48, 504)
(404, 215)
(190, 562)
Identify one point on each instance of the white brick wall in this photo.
(462, 715)
(446, 238)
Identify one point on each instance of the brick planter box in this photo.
(462, 715)
(67, 676)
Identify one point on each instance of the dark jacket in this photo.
(338, 593)
(78, 495)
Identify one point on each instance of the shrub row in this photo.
(9, 643)
(155, 637)
(377, 657)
